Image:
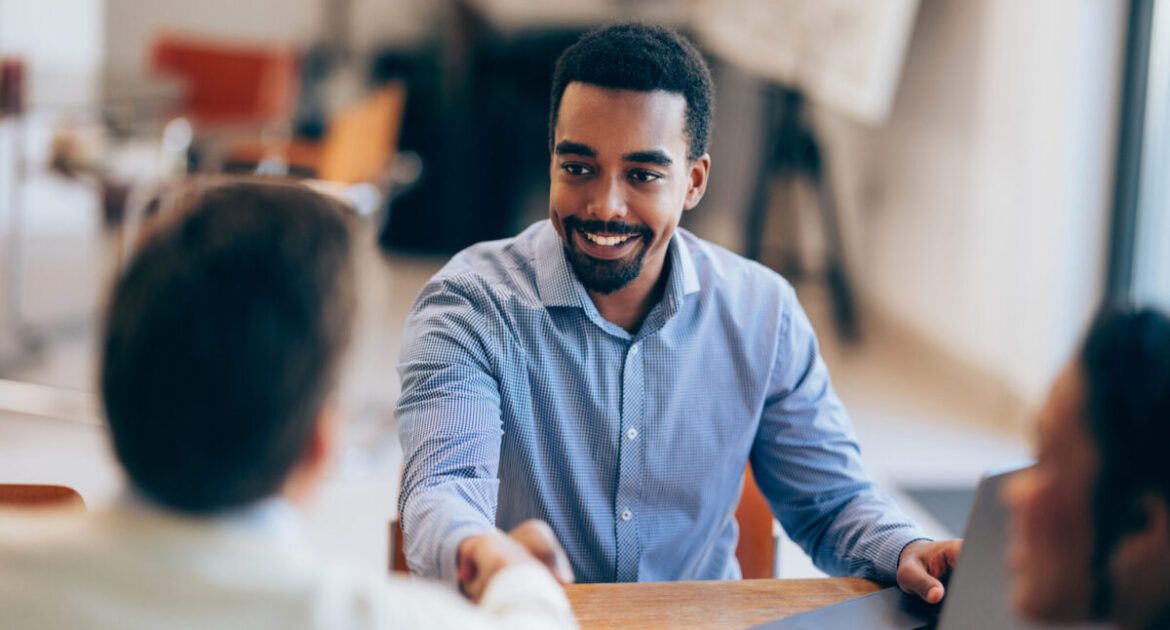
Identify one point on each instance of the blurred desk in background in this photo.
(73, 127)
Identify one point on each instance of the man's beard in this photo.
(604, 276)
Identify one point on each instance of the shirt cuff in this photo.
(890, 555)
(449, 550)
(528, 591)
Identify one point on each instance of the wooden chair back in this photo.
(756, 550)
(362, 138)
(23, 495)
(397, 551)
(229, 82)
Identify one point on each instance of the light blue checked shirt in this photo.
(520, 401)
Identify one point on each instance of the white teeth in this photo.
(608, 241)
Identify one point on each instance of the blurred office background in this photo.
(953, 185)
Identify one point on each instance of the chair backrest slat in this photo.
(24, 495)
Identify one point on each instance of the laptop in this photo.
(977, 591)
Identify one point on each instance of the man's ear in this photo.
(326, 438)
(1148, 536)
(697, 181)
(1140, 563)
(318, 457)
(1154, 517)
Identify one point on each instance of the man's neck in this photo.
(1149, 608)
(275, 515)
(628, 306)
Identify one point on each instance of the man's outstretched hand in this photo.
(540, 541)
(482, 556)
(922, 565)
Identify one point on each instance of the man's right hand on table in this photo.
(484, 555)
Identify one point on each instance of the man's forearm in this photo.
(869, 534)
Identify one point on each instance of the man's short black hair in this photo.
(1125, 362)
(644, 58)
(222, 342)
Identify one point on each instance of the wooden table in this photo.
(709, 605)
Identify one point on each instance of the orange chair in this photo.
(397, 550)
(359, 145)
(229, 82)
(755, 550)
(22, 495)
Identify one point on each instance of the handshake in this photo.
(480, 557)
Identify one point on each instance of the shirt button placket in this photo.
(630, 462)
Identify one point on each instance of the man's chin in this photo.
(605, 276)
(1042, 603)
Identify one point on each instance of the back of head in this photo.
(643, 58)
(222, 343)
(1126, 366)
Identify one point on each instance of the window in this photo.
(1140, 265)
(1151, 267)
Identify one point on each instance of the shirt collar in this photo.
(559, 286)
(272, 517)
(687, 278)
(555, 280)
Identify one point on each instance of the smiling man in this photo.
(610, 374)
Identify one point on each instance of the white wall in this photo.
(60, 42)
(58, 39)
(130, 25)
(978, 215)
(378, 23)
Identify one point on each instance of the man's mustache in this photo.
(605, 227)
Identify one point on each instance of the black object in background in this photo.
(479, 122)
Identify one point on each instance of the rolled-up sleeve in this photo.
(449, 425)
(807, 463)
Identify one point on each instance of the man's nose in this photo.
(609, 200)
(1015, 490)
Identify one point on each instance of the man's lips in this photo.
(604, 245)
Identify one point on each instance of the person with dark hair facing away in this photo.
(612, 374)
(221, 349)
(1091, 519)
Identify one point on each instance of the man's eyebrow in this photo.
(656, 156)
(566, 147)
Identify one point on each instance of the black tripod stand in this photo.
(790, 152)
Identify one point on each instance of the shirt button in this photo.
(634, 349)
(631, 433)
(627, 515)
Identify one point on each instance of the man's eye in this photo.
(644, 176)
(576, 170)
